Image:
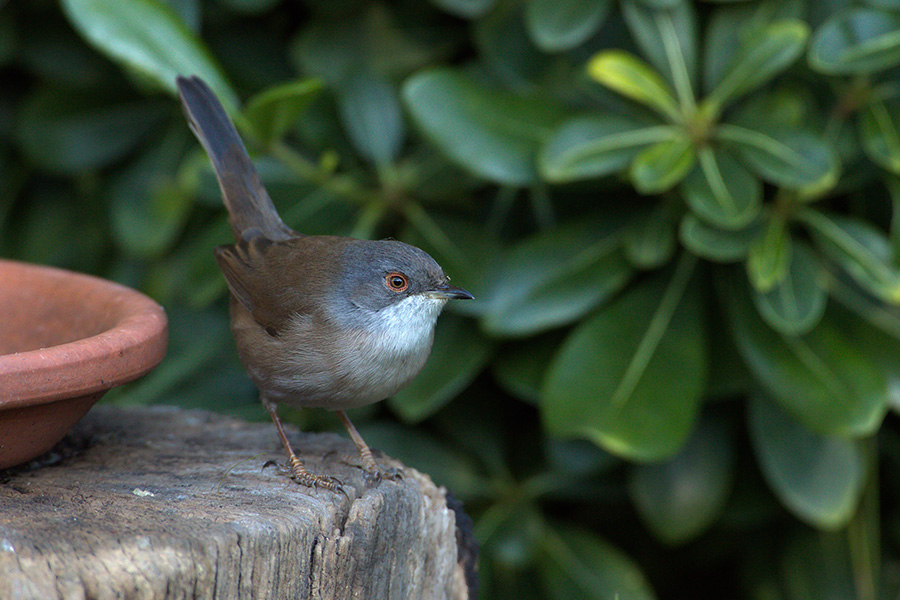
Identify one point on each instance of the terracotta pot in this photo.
(65, 339)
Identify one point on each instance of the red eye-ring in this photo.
(397, 282)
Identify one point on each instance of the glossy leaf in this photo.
(148, 208)
(856, 41)
(820, 479)
(68, 132)
(557, 25)
(663, 165)
(680, 498)
(445, 464)
(506, 48)
(822, 378)
(148, 37)
(890, 5)
(667, 35)
(459, 354)
(721, 191)
(795, 305)
(372, 116)
(879, 132)
(731, 28)
(769, 256)
(520, 367)
(578, 564)
(588, 147)
(818, 565)
(795, 160)
(467, 9)
(712, 243)
(492, 133)
(332, 49)
(633, 78)
(764, 55)
(650, 238)
(631, 377)
(555, 277)
(275, 110)
(859, 249)
(879, 325)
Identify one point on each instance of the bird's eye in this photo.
(397, 282)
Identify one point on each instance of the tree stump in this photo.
(161, 502)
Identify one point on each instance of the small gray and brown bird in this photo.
(319, 321)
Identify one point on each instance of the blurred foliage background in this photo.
(680, 374)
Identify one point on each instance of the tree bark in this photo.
(160, 502)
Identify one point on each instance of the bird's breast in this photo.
(325, 364)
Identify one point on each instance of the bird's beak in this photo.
(447, 292)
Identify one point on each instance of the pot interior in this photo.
(41, 308)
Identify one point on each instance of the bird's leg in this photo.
(365, 453)
(298, 471)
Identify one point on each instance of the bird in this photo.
(319, 321)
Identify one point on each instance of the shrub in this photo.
(678, 220)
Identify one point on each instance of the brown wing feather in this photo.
(273, 280)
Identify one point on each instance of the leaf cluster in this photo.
(679, 220)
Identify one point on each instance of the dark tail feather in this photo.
(248, 203)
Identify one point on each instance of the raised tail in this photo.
(249, 205)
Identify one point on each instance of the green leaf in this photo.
(818, 478)
(818, 565)
(859, 249)
(822, 379)
(520, 367)
(731, 27)
(148, 37)
(69, 132)
(577, 564)
(889, 5)
(458, 355)
(795, 160)
(589, 147)
(420, 450)
(770, 255)
(277, 109)
(856, 41)
(650, 238)
(631, 377)
(879, 125)
(680, 498)
(667, 34)
(148, 209)
(492, 133)
(712, 243)
(764, 55)
(722, 191)
(505, 49)
(555, 277)
(251, 6)
(633, 78)
(372, 116)
(879, 325)
(663, 165)
(557, 25)
(467, 9)
(796, 304)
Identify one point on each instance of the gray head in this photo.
(381, 274)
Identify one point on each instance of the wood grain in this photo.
(160, 502)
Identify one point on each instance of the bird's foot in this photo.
(298, 473)
(374, 473)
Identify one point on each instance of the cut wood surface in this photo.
(161, 502)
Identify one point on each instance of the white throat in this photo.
(406, 326)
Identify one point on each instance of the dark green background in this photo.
(679, 219)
